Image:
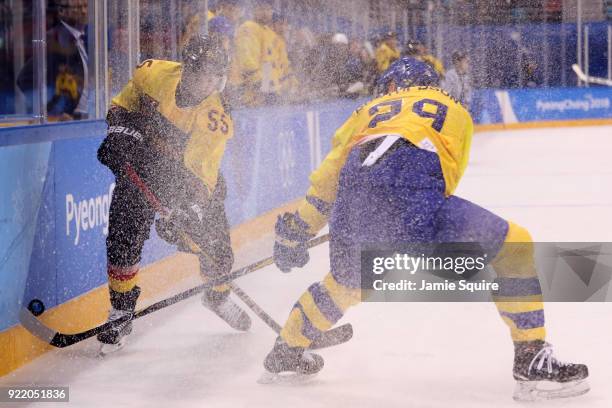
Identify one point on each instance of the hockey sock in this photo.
(317, 310)
(122, 278)
(519, 299)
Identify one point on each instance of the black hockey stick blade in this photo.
(58, 339)
(333, 337)
(61, 340)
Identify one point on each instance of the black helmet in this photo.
(388, 34)
(205, 53)
(411, 47)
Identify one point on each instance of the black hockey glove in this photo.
(204, 225)
(193, 211)
(124, 142)
(290, 249)
(181, 222)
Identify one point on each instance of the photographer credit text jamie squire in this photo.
(426, 286)
(411, 264)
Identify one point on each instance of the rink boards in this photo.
(55, 195)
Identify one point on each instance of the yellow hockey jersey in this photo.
(197, 135)
(385, 55)
(427, 117)
(281, 67)
(253, 49)
(251, 68)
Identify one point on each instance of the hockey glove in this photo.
(290, 249)
(182, 221)
(124, 142)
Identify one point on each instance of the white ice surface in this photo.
(556, 182)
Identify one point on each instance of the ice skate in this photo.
(540, 376)
(114, 339)
(123, 305)
(221, 305)
(290, 365)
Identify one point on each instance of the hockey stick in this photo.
(341, 334)
(267, 319)
(590, 79)
(61, 340)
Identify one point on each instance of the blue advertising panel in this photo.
(562, 104)
(282, 173)
(83, 190)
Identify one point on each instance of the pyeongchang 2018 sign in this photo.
(585, 104)
(561, 104)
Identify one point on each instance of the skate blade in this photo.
(106, 349)
(526, 391)
(285, 378)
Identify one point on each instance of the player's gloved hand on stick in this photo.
(195, 214)
(290, 249)
(187, 220)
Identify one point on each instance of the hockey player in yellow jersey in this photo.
(390, 178)
(282, 78)
(387, 51)
(167, 133)
(253, 56)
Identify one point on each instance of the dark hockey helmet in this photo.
(407, 72)
(206, 53)
(388, 34)
(412, 47)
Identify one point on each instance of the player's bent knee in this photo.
(516, 257)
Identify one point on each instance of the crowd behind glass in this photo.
(276, 56)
